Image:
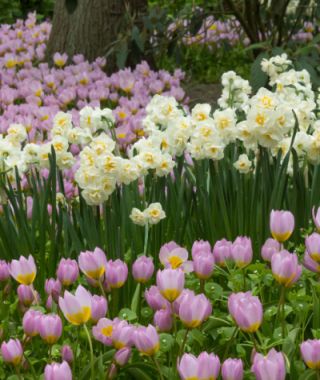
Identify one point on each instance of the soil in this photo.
(203, 93)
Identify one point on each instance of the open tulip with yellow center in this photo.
(76, 308)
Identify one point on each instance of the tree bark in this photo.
(88, 27)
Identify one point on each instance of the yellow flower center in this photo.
(171, 294)
(175, 261)
(223, 123)
(107, 331)
(96, 273)
(26, 279)
(281, 237)
(81, 317)
(260, 119)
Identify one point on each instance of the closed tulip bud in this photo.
(203, 264)
(232, 369)
(270, 247)
(142, 269)
(12, 351)
(194, 310)
(122, 356)
(163, 320)
(31, 322)
(316, 218)
(246, 310)
(99, 308)
(67, 354)
(93, 264)
(205, 366)
(310, 351)
(146, 340)
(241, 251)
(53, 288)
(4, 271)
(200, 246)
(313, 246)
(285, 268)
(170, 283)
(68, 271)
(23, 270)
(310, 264)
(116, 273)
(113, 372)
(155, 299)
(281, 225)
(269, 367)
(222, 251)
(76, 308)
(26, 295)
(57, 371)
(49, 303)
(50, 328)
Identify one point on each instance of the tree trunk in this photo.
(88, 27)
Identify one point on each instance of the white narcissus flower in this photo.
(154, 213)
(17, 133)
(243, 164)
(138, 217)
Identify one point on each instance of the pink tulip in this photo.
(93, 264)
(155, 299)
(146, 340)
(12, 351)
(67, 272)
(313, 246)
(310, 264)
(203, 264)
(241, 251)
(4, 271)
(116, 273)
(23, 270)
(310, 351)
(281, 225)
(173, 256)
(121, 334)
(142, 269)
(31, 322)
(200, 246)
(269, 367)
(58, 371)
(205, 366)
(122, 356)
(232, 369)
(99, 308)
(222, 251)
(285, 268)
(50, 328)
(67, 354)
(316, 218)
(26, 295)
(163, 320)
(194, 310)
(102, 331)
(170, 282)
(246, 310)
(76, 308)
(270, 247)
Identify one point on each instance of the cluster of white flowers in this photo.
(235, 91)
(266, 119)
(151, 215)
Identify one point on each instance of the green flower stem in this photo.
(202, 289)
(91, 350)
(102, 290)
(281, 310)
(244, 279)
(146, 236)
(18, 372)
(255, 345)
(234, 334)
(184, 342)
(318, 374)
(114, 302)
(158, 367)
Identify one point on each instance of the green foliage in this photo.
(10, 10)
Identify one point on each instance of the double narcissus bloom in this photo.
(281, 225)
(93, 264)
(205, 366)
(23, 270)
(146, 340)
(269, 367)
(310, 351)
(142, 269)
(285, 268)
(58, 371)
(12, 351)
(170, 282)
(194, 310)
(246, 310)
(76, 308)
